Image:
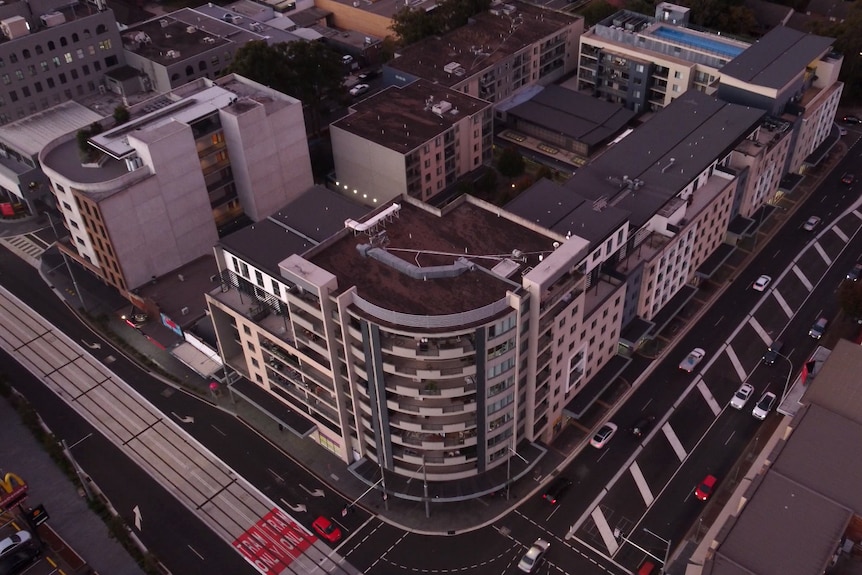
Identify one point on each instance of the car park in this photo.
(811, 223)
(705, 488)
(557, 489)
(603, 436)
(359, 89)
(852, 120)
(643, 425)
(18, 559)
(818, 328)
(13, 541)
(855, 272)
(772, 352)
(761, 283)
(764, 405)
(533, 556)
(694, 357)
(742, 395)
(324, 527)
(848, 178)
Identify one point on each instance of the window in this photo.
(44, 65)
(13, 58)
(19, 74)
(25, 52)
(31, 69)
(56, 61)
(39, 49)
(105, 44)
(79, 53)
(68, 57)
(26, 91)
(62, 77)
(50, 82)
(74, 74)
(74, 36)
(63, 41)
(6, 79)
(51, 45)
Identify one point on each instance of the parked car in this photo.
(705, 488)
(324, 527)
(692, 359)
(368, 75)
(557, 489)
(848, 178)
(742, 395)
(852, 120)
(761, 283)
(647, 568)
(14, 541)
(533, 556)
(811, 223)
(818, 328)
(772, 352)
(603, 435)
(347, 59)
(764, 405)
(16, 560)
(855, 272)
(359, 89)
(643, 425)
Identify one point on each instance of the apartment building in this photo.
(192, 43)
(414, 140)
(500, 51)
(146, 197)
(644, 62)
(51, 52)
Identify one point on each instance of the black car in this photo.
(852, 120)
(368, 75)
(556, 490)
(15, 561)
(643, 425)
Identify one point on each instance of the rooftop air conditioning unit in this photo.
(52, 19)
(14, 27)
(173, 54)
(184, 311)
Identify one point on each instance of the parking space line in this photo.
(605, 530)
(840, 234)
(755, 325)
(710, 399)
(802, 278)
(675, 444)
(782, 303)
(857, 214)
(737, 365)
(822, 253)
(641, 483)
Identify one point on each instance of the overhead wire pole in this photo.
(509, 466)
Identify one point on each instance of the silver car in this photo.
(13, 541)
(533, 556)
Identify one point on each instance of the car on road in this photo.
(772, 352)
(359, 89)
(761, 283)
(848, 178)
(811, 223)
(533, 556)
(818, 328)
(855, 272)
(742, 395)
(851, 120)
(647, 568)
(692, 359)
(603, 435)
(13, 541)
(643, 425)
(705, 488)
(16, 560)
(764, 405)
(557, 489)
(324, 527)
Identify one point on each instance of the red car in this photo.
(705, 487)
(327, 529)
(848, 178)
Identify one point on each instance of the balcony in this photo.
(431, 407)
(445, 388)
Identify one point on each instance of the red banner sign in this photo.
(273, 542)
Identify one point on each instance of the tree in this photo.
(265, 64)
(597, 11)
(510, 163)
(121, 115)
(850, 298)
(414, 24)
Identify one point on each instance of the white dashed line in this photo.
(802, 278)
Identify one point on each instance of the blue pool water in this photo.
(689, 39)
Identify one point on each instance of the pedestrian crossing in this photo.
(28, 247)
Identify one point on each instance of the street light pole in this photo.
(789, 375)
(667, 551)
(425, 488)
(509, 465)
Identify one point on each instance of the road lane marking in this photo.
(737, 365)
(195, 552)
(822, 253)
(641, 483)
(857, 213)
(840, 234)
(760, 331)
(802, 278)
(675, 444)
(707, 395)
(605, 530)
(219, 430)
(782, 303)
(730, 437)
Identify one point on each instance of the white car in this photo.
(358, 89)
(764, 405)
(533, 556)
(742, 395)
(13, 541)
(603, 435)
(811, 223)
(692, 359)
(761, 283)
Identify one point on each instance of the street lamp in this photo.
(667, 551)
(509, 466)
(789, 375)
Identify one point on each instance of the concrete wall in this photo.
(374, 171)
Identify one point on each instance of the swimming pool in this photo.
(704, 43)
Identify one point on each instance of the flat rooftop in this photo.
(480, 45)
(778, 57)
(833, 388)
(402, 119)
(424, 238)
(32, 133)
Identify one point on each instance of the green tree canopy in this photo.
(510, 163)
(414, 24)
(850, 298)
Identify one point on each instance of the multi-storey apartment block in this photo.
(510, 46)
(644, 63)
(145, 197)
(415, 140)
(51, 52)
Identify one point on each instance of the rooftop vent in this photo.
(191, 29)
(52, 19)
(208, 40)
(441, 108)
(454, 68)
(164, 22)
(172, 54)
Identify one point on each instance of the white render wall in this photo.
(374, 171)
